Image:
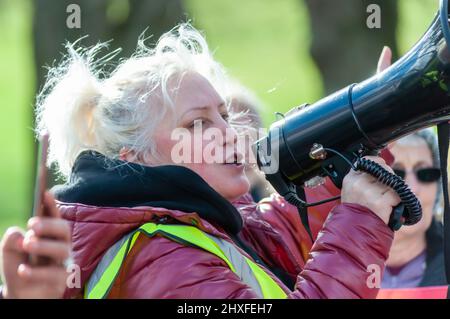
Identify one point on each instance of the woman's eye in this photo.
(197, 122)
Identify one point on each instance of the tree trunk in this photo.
(344, 48)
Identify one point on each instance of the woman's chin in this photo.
(229, 181)
(235, 188)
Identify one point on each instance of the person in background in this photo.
(247, 107)
(46, 237)
(416, 257)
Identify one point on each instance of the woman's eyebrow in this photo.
(202, 108)
(422, 164)
(198, 108)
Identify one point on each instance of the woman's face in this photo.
(198, 136)
(410, 157)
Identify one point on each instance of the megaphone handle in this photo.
(396, 220)
(408, 212)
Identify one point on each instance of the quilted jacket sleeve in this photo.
(346, 256)
(350, 244)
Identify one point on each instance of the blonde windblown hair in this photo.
(84, 108)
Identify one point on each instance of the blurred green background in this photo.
(263, 43)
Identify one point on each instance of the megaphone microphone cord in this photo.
(409, 212)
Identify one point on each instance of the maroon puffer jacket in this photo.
(352, 238)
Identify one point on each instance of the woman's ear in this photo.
(126, 154)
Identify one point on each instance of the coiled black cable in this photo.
(412, 212)
(413, 209)
(409, 212)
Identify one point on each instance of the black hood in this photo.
(99, 181)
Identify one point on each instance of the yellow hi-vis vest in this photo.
(103, 277)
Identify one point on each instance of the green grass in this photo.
(263, 43)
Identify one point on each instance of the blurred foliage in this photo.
(16, 101)
(356, 48)
(263, 43)
(415, 18)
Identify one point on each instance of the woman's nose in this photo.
(229, 134)
(412, 182)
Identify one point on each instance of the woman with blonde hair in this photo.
(153, 217)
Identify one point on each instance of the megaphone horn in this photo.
(332, 135)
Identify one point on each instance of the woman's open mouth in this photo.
(235, 164)
(237, 160)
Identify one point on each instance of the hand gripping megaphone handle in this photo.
(409, 211)
(397, 220)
